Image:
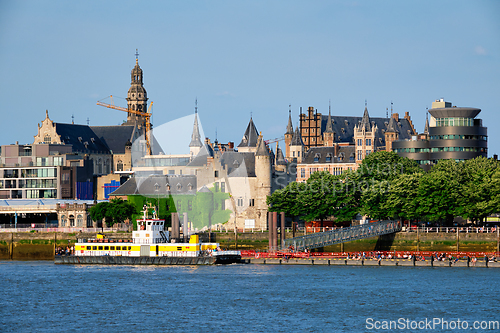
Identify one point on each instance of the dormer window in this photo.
(80, 139)
(168, 187)
(341, 157)
(190, 187)
(328, 158)
(316, 158)
(179, 187)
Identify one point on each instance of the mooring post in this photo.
(270, 228)
(283, 234)
(275, 231)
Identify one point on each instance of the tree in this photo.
(114, 211)
(402, 197)
(314, 199)
(286, 200)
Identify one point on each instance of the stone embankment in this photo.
(42, 245)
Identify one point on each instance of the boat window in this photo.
(100, 247)
(112, 248)
(130, 248)
(179, 248)
(94, 247)
(88, 247)
(106, 248)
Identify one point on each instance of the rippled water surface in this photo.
(43, 297)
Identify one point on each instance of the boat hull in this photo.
(122, 260)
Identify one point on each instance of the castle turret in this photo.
(263, 175)
(288, 134)
(364, 136)
(250, 139)
(391, 134)
(297, 146)
(329, 134)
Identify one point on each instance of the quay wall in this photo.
(26, 245)
(42, 245)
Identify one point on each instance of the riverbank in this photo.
(42, 245)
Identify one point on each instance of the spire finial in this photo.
(289, 108)
(366, 103)
(196, 105)
(136, 56)
(216, 134)
(391, 108)
(251, 114)
(329, 107)
(72, 118)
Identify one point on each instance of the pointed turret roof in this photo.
(289, 127)
(297, 138)
(262, 149)
(365, 121)
(250, 137)
(195, 136)
(392, 126)
(329, 123)
(280, 158)
(426, 128)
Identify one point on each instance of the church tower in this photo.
(297, 146)
(137, 98)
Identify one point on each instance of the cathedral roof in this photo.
(114, 137)
(82, 137)
(250, 137)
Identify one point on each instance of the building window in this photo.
(360, 155)
(368, 152)
(63, 221)
(360, 142)
(46, 139)
(240, 202)
(223, 187)
(368, 142)
(303, 173)
(216, 174)
(216, 187)
(328, 158)
(223, 205)
(119, 166)
(251, 202)
(316, 158)
(79, 221)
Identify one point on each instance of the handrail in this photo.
(332, 237)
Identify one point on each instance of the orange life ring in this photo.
(257, 255)
(129, 252)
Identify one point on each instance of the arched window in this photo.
(71, 220)
(79, 221)
(119, 166)
(46, 138)
(63, 221)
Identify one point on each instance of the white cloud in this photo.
(480, 50)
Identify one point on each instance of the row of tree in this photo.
(388, 186)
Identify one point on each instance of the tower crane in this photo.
(146, 115)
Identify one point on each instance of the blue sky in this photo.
(246, 57)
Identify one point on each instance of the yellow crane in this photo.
(146, 115)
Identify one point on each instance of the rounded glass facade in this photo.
(454, 121)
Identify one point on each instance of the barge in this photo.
(150, 245)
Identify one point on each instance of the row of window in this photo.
(251, 202)
(36, 194)
(459, 137)
(167, 161)
(335, 171)
(28, 183)
(445, 122)
(439, 149)
(368, 142)
(360, 154)
(108, 248)
(29, 173)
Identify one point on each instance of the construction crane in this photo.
(274, 140)
(146, 115)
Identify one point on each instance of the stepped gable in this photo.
(251, 136)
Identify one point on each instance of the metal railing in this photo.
(342, 235)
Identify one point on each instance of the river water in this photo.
(38, 296)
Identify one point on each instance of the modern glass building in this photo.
(451, 133)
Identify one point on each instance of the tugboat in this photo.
(150, 245)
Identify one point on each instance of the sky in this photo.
(243, 59)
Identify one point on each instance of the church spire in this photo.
(426, 128)
(195, 136)
(365, 121)
(329, 123)
(289, 127)
(137, 96)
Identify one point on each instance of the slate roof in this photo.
(114, 137)
(297, 137)
(201, 158)
(393, 126)
(262, 149)
(238, 164)
(250, 137)
(154, 185)
(82, 137)
(289, 127)
(343, 126)
(321, 153)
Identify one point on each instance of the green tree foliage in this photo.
(287, 200)
(114, 211)
(402, 197)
